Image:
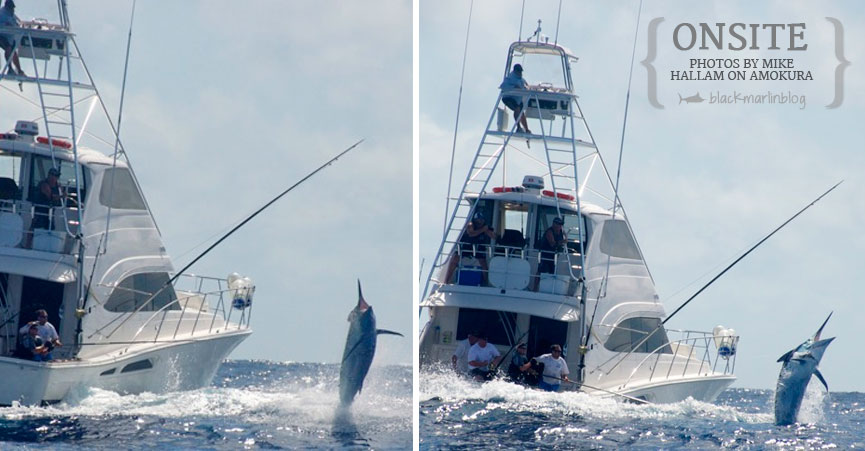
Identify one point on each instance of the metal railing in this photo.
(205, 299)
(35, 229)
(698, 352)
(465, 260)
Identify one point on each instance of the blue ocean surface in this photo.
(457, 413)
(251, 404)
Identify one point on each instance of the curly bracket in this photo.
(842, 63)
(650, 58)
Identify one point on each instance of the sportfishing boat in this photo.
(78, 240)
(589, 290)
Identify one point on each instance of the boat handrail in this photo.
(523, 253)
(704, 342)
(220, 307)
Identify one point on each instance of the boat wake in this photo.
(249, 404)
(502, 395)
(458, 412)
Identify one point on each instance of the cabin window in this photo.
(574, 228)
(10, 177)
(134, 292)
(67, 180)
(119, 190)
(513, 228)
(137, 366)
(617, 241)
(497, 325)
(629, 335)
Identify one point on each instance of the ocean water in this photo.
(251, 404)
(457, 413)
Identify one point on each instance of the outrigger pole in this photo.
(249, 218)
(748, 252)
(646, 338)
(234, 229)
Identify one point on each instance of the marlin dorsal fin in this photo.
(786, 356)
(820, 376)
(387, 332)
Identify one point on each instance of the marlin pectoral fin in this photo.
(820, 376)
(387, 332)
(347, 354)
(786, 356)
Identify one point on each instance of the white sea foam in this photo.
(507, 396)
(310, 404)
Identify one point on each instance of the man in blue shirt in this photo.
(515, 80)
(8, 19)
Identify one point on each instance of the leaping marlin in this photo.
(359, 349)
(799, 365)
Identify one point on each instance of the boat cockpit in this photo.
(39, 192)
(518, 255)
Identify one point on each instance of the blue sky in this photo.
(701, 183)
(229, 103)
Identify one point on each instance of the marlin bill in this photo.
(799, 364)
(359, 349)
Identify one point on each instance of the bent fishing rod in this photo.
(649, 335)
(235, 228)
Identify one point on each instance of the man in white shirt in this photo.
(555, 369)
(46, 329)
(481, 356)
(460, 358)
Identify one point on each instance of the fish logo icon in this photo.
(691, 99)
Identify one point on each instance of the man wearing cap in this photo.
(552, 243)
(515, 80)
(34, 344)
(460, 358)
(555, 369)
(473, 243)
(481, 356)
(47, 196)
(9, 19)
(520, 364)
(45, 329)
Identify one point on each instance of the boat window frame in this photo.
(129, 198)
(636, 334)
(64, 181)
(152, 280)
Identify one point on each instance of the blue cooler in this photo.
(470, 276)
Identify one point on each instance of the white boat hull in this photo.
(179, 365)
(702, 388)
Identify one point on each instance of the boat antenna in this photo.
(661, 324)
(103, 240)
(522, 14)
(602, 289)
(558, 19)
(457, 123)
